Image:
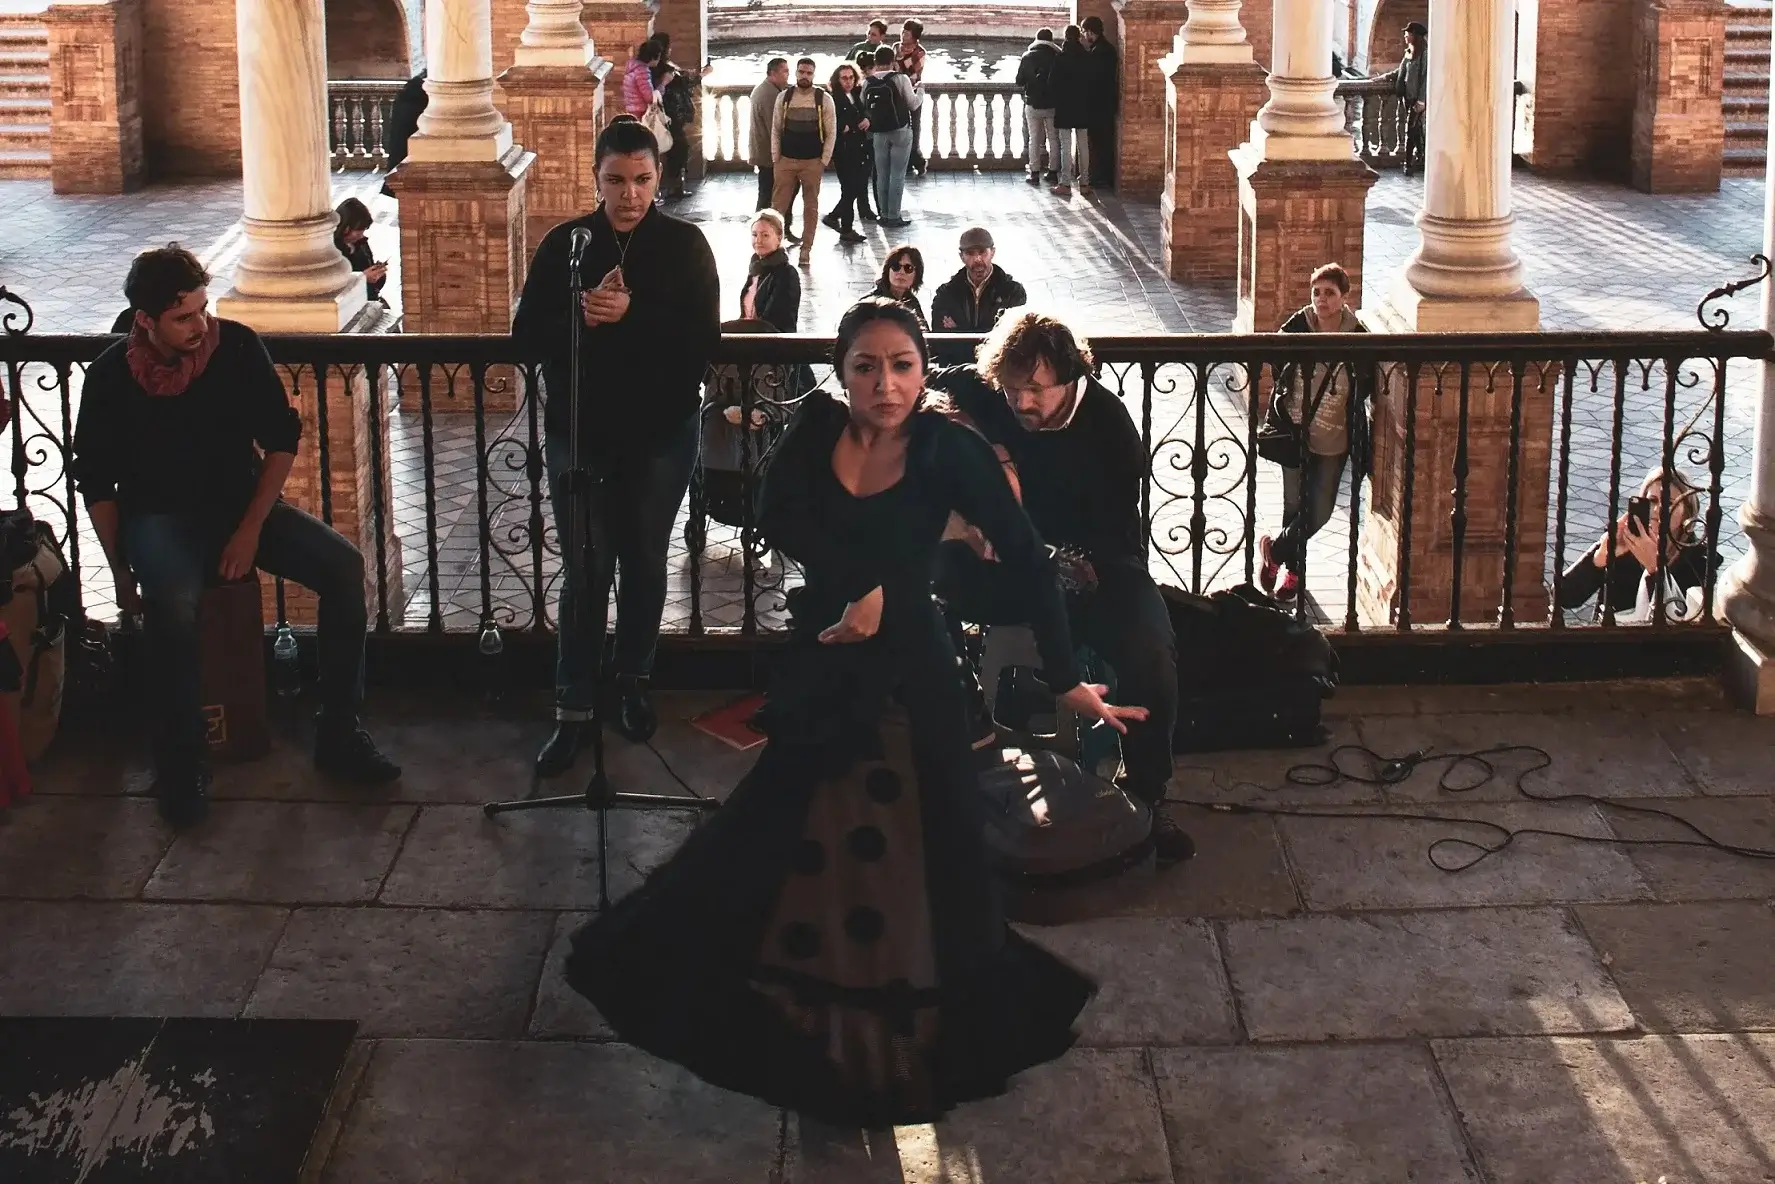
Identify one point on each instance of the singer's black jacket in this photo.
(641, 377)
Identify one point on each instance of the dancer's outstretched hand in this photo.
(1087, 700)
(861, 620)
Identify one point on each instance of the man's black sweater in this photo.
(641, 377)
(191, 453)
(1081, 483)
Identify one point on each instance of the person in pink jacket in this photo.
(637, 79)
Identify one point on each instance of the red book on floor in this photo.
(732, 723)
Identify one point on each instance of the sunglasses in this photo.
(903, 266)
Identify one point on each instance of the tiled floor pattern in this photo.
(1309, 1000)
(1597, 256)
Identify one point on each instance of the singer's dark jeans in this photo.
(634, 501)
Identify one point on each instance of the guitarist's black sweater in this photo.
(1081, 483)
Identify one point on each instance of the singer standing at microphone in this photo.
(649, 320)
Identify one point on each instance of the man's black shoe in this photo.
(558, 754)
(184, 797)
(352, 756)
(792, 238)
(635, 718)
(847, 235)
(831, 220)
(1171, 844)
(866, 214)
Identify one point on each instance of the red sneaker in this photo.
(1266, 576)
(1289, 588)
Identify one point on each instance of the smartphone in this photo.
(1640, 510)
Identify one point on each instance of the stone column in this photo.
(1303, 193)
(687, 21)
(619, 26)
(95, 82)
(1147, 31)
(554, 96)
(1214, 88)
(1679, 127)
(1464, 277)
(1747, 595)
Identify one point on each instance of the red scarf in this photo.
(160, 377)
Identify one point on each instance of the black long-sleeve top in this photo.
(851, 545)
(362, 258)
(195, 452)
(1081, 483)
(1583, 579)
(642, 377)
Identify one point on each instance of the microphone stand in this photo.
(576, 554)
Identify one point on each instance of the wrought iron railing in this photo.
(357, 111)
(1375, 116)
(967, 125)
(1517, 445)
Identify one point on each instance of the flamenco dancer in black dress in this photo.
(831, 940)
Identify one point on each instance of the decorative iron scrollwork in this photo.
(1718, 318)
(9, 317)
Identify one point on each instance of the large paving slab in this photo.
(1690, 967)
(1238, 871)
(559, 1010)
(1702, 872)
(407, 972)
(283, 853)
(1477, 972)
(60, 847)
(1307, 1115)
(429, 1111)
(1727, 753)
(1093, 1115)
(132, 959)
(457, 857)
(1683, 1109)
(85, 760)
(1159, 980)
(1609, 754)
(1380, 863)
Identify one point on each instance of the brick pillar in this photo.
(95, 83)
(1679, 128)
(1147, 30)
(687, 22)
(1582, 86)
(1464, 277)
(618, 26)
(555, 101)
(1213, 91)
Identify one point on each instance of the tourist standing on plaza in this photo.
(865, 71)
(1071, 81)
(889, 101)
(832, 939)
(764, 108)
(850, 156)
(1411, 79)
(976, 296)
(909, 58)
(902, 275)
(872, 41)
(648, 323)
(637, 78)
(1104, 98)
(772, 291)
(676, 87)
(183, 444)
(1035, 76)
(1078, 462)
(804, 133)
(1333, 401)
(351, 237)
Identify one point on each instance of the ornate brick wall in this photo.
(1386, 32)
(1679, 128)
(191, 88)
(1293, 217)
(1585, 86)
(95, 66)
(1209, 109)
(1148, 29)
(367, 39)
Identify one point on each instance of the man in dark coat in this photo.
(1035, 76)
(403, 122)
(1103, 88)
(973, 299)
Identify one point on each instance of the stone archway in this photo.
(368, 39)
(1385, 35)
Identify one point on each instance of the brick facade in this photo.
(685, 21)
(617, 27)
(556, 112)
(1679, 128)
(191, 88)
(1208, 113)
(1584, 87)
(367, 39)
(1386, 35)
(1147, 30)
(1257, 16)
(95, 67)
(1294, 216)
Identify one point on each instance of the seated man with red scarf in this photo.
(183, 444)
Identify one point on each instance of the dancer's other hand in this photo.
(1087, 700)
(861, 620)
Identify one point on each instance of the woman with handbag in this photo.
(1331, 402)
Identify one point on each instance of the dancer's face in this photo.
(884, 376)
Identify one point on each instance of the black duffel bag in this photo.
(1249, 674)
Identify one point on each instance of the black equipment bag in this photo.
(1250, 675)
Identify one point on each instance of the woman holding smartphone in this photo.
(1632, 576)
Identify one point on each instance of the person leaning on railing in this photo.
(648, 321)
(1635, 576)
(183, 444)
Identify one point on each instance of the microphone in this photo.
(581, 242)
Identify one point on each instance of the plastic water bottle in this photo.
(285, 661)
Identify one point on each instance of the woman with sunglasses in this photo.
(901, 278)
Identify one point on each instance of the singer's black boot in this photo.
(635, 716)
(558, 754)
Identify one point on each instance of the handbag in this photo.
(1280, 441)
(656, 122)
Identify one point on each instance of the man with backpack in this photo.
(804, 131)
(889, 99)
(1035, 77)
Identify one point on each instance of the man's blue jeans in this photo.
(892, 151)
(175, 556)
(633, 502)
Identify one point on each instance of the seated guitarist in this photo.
(1076, 460)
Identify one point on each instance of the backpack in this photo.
(883, 106)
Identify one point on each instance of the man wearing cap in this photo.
(973, 299)
(1412, 79)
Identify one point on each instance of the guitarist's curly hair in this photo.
(1021, 340)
